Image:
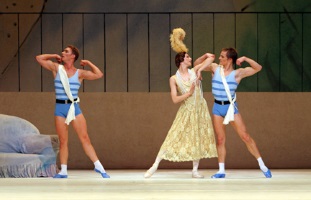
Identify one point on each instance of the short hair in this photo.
(75, 51)
(231, 53)
(179, 58)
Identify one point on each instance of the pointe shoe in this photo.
(104, 175)
(151, 171)
(60, 176)
(195, 174)
(148, 174)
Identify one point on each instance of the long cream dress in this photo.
(191, 136)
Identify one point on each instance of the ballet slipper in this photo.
(60, 176)
(195, 174)
(104, 174)
(151, 171)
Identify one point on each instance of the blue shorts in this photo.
(61, 110)
(221, 110)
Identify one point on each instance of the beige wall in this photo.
(127, 129)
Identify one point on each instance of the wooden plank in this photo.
(30, 40)
(306, 82)
(291, 53)
(51, 44)
(73, 35)
(116, 53)
(159, 53)
(9, 73)
(94, 49)
(246, 45)
(138, 66)
(203, 42)
(269, 52)
(224, 32)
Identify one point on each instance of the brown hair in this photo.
(231, 53)
(179, 58)
(75, 51)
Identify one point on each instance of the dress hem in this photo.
(173, 160)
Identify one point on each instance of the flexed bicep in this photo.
(45, 61)
(93, 74)
(247, 71)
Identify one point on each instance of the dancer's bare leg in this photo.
(154, 167)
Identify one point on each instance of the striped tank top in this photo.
(74, 86)
(218, 88)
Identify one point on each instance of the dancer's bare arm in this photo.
(45, 61)
(204, 63)
(92, 74)
(247, 71)
(175, 98)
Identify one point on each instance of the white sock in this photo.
(221, 168)
(262, 165)
(63, 169)
(99, 166)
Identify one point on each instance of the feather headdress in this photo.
(176, 39)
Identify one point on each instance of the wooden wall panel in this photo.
(30, 71)
(73, 32)
(306, 82)
(160, 49)
(52, 39)
(9, 70)
(73, 35)
(224, 32)
(291, 53)
(133, 49)
(138, 53)
(268, 52)
(94, 49)
(203, 33)
(246, 45)
(116, 53)
(9, 81)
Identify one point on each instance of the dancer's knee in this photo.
(246, 138)
(85, 140)
(221, 141)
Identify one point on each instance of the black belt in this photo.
(64, 101)
(222, 102)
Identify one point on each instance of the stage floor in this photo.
(165, 184)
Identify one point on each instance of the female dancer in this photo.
(191, 136)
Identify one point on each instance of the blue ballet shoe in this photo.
(60, 176)
(267, 173)
(104, 175)
(218, 176)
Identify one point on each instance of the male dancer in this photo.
(224, 84)
(67, 80)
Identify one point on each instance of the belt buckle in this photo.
(66, 101)
(222, 103)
